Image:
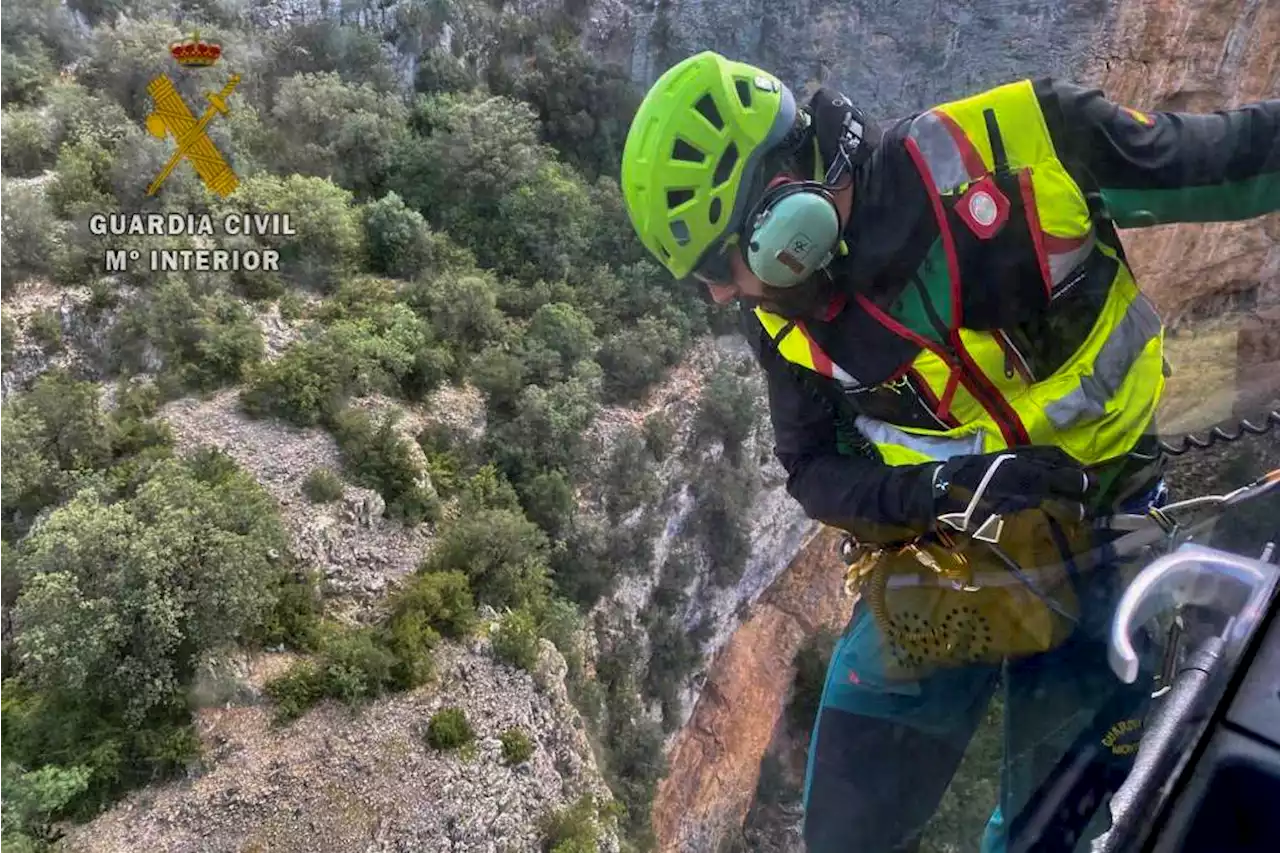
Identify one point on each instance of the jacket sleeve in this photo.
(851, 490)
(1157, 167)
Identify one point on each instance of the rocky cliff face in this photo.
(715, 759)
(897, 56)
(1197, 55)
(776, 526)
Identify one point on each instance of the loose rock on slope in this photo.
(355, 549)
(366, 782)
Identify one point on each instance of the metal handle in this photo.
(1231, 585)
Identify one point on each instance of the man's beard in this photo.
(808, 299)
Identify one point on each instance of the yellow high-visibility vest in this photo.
(1102, 398)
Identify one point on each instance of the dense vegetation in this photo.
(461, 224)
(141, 564)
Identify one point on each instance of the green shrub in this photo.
(8, 336)
(328, 244)
(380, 458)
(630, 547)
(675, 653)
(500, 376)
(352, 665)
(33, 799)
(292, 306)
(561, 624)
(357, 665)
(82, 180)
(449, 729)
(124, 588)
(585, 107)
(295, 619)
(724, 493)
(580, 564)
(326, 45)
(296, 691)
(331, 127)
(410, 639)
(461, 304)
(548, 501)
(501, 552)
(398, 238)
(573, 829)
(727, 409)
(322, 486)
(306, 384)
(629, 479)
(27, 69)
(488, 489)
(441, 598)
(45, 328)
(515, 640)
(453, 456)
(636, 357)
(659, 435)
(563, 329)
(448, 172)
(440, 71)
(811, 661)
(207, 340)
(547, 430)
(28, 144)
(372, 343)
(517, 748)
(30, 234)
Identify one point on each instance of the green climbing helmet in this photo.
(691, 168)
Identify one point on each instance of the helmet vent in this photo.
(675, 198)
(744, 92)
(707, 106)
(684, 151)
(714, 213)
(724, 168)
(680, 231)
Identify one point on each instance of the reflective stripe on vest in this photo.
(953, 162)
(798, 347)
(899, 447)
(1110, 366)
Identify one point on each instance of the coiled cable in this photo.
(1191, 441)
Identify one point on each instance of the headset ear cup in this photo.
(793, 233)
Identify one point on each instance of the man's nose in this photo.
(722, 293)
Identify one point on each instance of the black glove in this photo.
(1027, 478)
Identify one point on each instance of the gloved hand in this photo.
(1026, 478)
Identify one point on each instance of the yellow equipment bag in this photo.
(947, 601)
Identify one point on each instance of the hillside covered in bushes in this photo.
(459, 227)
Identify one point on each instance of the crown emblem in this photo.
(193, 53)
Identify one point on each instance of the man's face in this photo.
(743, 282)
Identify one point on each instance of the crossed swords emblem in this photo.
(171, 117)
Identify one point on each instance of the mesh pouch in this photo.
(942, 602)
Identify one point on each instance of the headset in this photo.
(795, 229)
(793, 232)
